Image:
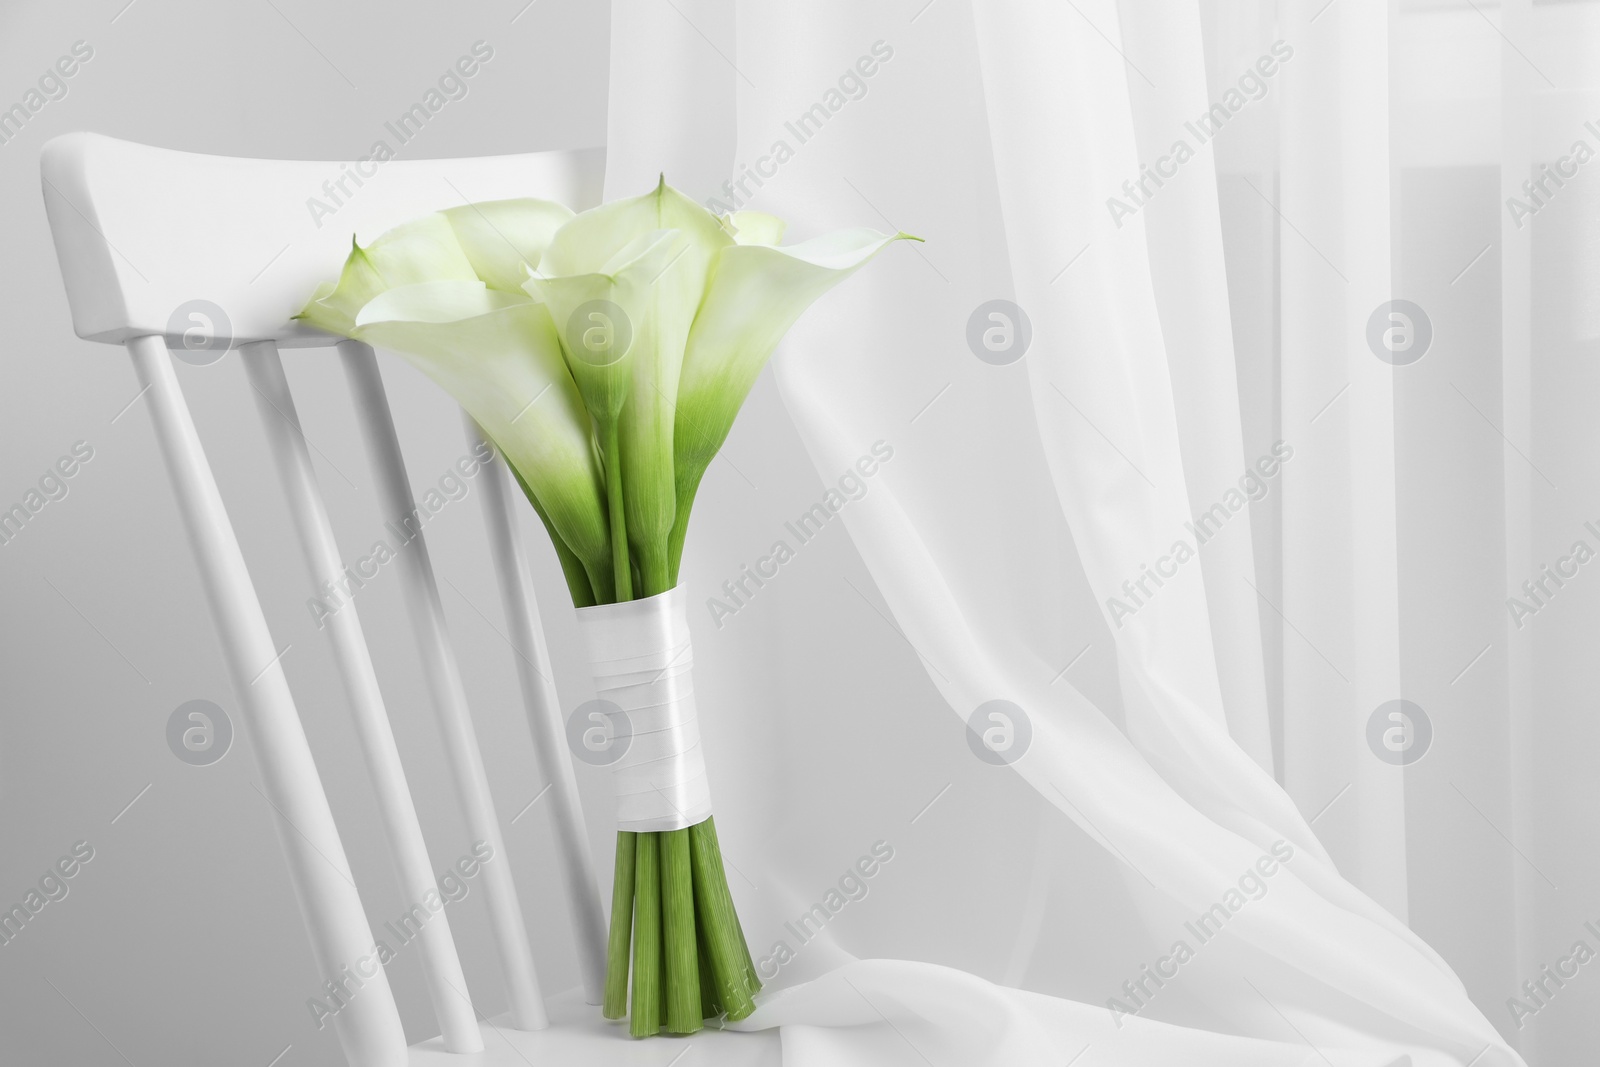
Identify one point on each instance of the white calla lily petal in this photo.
(592, 239)
(436, 302)
(754, 227)
(422, 250)
(505, 239)
(756, 293)
(335, 305)
(624, 282)
(504, 366)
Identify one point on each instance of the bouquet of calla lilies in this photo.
(606, 355)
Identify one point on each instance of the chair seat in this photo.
(579, 1037)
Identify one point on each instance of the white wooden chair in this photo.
(228, 250)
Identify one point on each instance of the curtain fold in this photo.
(1341, 589)
(1030, 503)
(1183, 232)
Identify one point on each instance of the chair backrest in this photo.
(160, 248)
(142, 231)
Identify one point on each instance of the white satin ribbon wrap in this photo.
(641, 660)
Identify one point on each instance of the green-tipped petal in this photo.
(334, 306)
(422, 250)
(321, 311)
(587, 243)
(583, 246)
(505, 239)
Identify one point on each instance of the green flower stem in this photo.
(616, 996)
(654, 575)
(645, 1017)
(710, 1006)
(724, 940)
(752, 979)
(600, 581)
(611, 456)
(677, 930)
(688, 484)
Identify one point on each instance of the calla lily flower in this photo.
(588, 258)
(439, 290)
(601, 312)
(497, 354)
(756, 292)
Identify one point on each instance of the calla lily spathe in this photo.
(756, 292)
(660, 320)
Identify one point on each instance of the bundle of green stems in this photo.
(674, 927)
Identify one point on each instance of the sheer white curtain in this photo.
(1202, 475)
